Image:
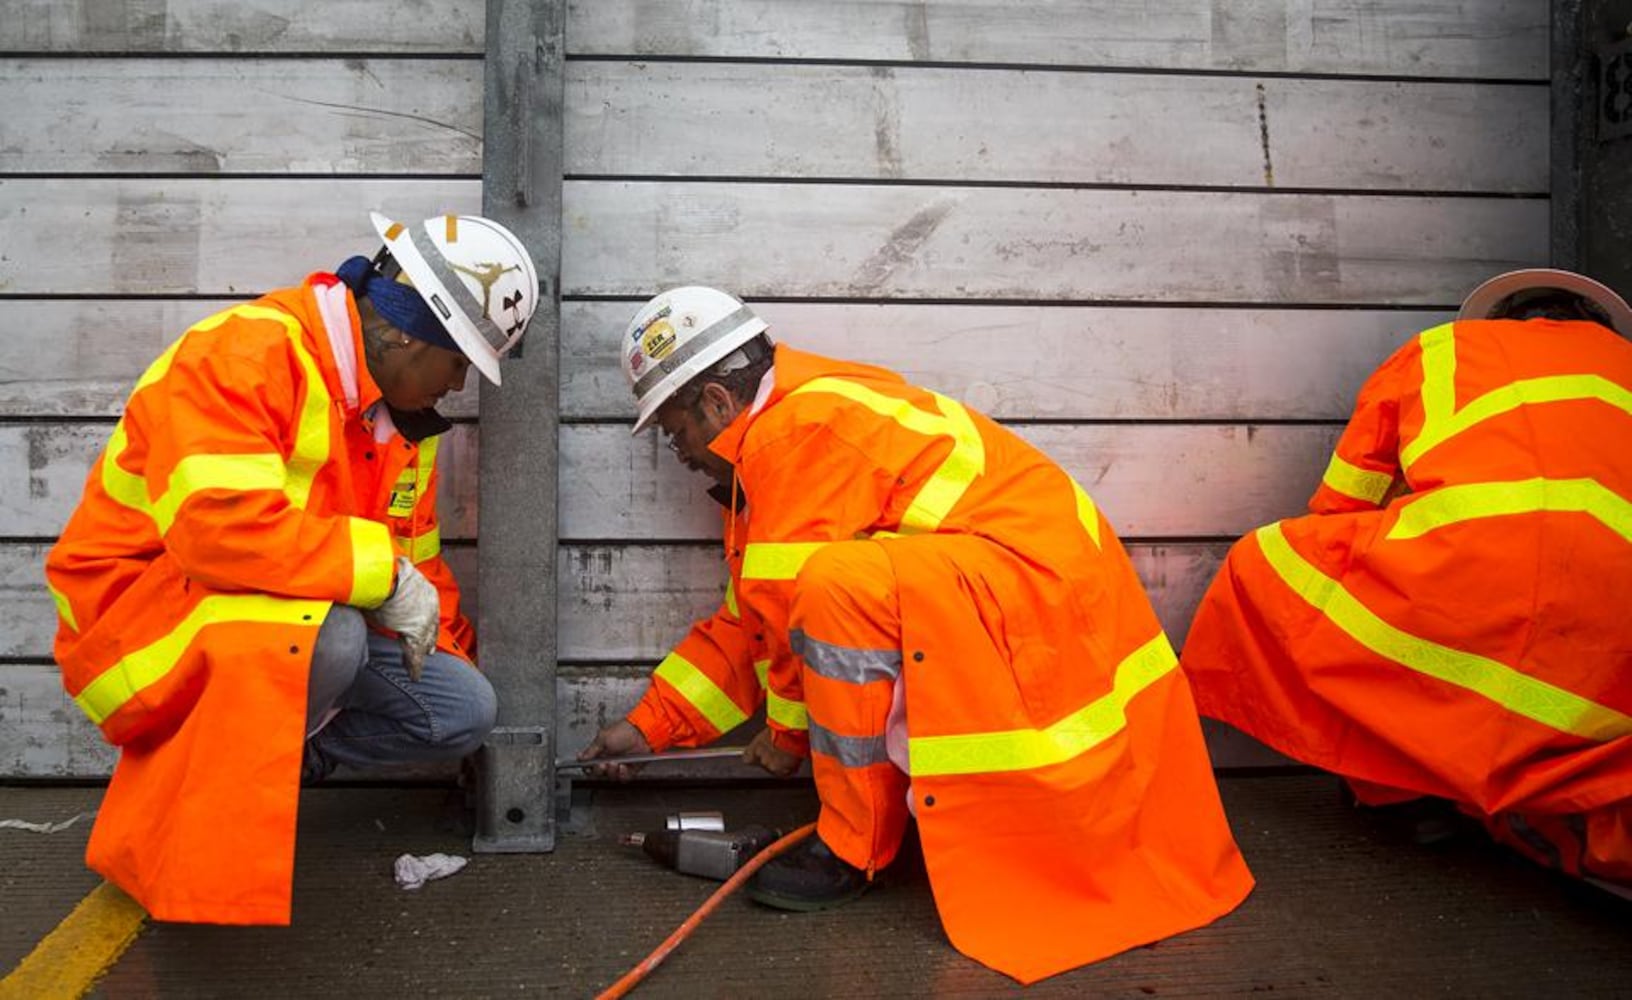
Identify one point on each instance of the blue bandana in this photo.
(397, 303)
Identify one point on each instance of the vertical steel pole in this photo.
(1568, 86)
(521, 187)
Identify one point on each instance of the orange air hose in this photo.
(732, 884)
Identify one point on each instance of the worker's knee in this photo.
(339, 653)
(845, 579)
(465, 718)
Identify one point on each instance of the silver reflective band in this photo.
(489, 330)
(851, 751)
(691, 348)
(843, 663)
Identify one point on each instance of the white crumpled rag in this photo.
(414, 872)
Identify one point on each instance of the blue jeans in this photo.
(385, 718)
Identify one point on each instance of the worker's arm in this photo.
(810, 488)
(1364, 471)
(228, 453)
(705, 687)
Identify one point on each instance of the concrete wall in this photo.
(1165, 242)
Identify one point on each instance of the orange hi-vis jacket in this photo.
(251, 483)
(1064, 796)
(1468, 638)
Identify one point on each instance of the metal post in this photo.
(1568, 82)
(521, 187)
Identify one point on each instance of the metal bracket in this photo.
(515, 792)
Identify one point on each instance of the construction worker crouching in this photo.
(939, 618)
(251, 590)
(1447, 628)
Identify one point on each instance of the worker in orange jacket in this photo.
(1450, 619)
(942, 621)
(251, 588)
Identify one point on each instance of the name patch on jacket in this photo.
(403, 494)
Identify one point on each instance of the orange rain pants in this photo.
(1035, 870)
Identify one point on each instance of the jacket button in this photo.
(929, 800)
(294, 649)
(918, 656)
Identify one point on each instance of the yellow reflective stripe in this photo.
(64, 609)
(967, 460)
(1551, 389)
(731, 604)
(785, 712)
(1453, 504)
(1087, 513)
(427, 461)
(144, 667)
(312, 434)
(1443, 421)
(237, 472)
(776, 560)
(1353, 481)
(124, 487)
(420, 547)
(1513, 690)
(946, 486)
(700, 692)
(1077, 733)
(215, 472)
(1438, 347)
(373, 560)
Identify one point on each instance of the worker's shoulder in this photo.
(267, 329)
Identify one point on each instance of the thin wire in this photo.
(635, 975)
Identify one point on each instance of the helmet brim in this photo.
(695, 366)
(427, 283)
(1482, 300)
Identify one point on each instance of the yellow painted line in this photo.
(66, 962)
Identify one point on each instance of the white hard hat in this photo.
(1482, 300)
(677, 336)
(474, 274)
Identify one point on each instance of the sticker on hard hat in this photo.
(658, 341)
(637, 361)
(640, 331)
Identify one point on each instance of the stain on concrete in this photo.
(902, 246)
(886, 122)
(916, 21)
(1263, 137)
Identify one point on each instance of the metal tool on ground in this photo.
(633, 977)
(705, 753)
(701, 819)
(715, 854)
(566, 767)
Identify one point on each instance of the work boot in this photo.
(808, 877)
(1427, 821)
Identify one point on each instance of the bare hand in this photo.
(769, 756)
(616, 740)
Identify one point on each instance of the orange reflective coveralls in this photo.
(247, 488)
(1469, 639)
(900, 555)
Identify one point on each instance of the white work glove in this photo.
(413, 612)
